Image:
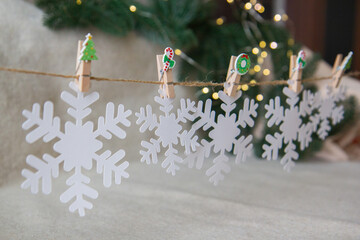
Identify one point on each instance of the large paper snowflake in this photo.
(329, 108)
(293, 128)
(168, 130)
(77, 147)
(225, 134)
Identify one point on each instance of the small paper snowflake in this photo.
(329, 108)
(168, 131)
(225, 134)
(77, 147)
(291, 125)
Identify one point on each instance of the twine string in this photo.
(187, 84)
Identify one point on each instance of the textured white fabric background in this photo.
(256, 201)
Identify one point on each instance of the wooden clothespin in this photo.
(165, 63)
(339, 69)
(238, 66)
(85, 54)
(295, 71)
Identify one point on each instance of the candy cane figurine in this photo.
(168, 61)
(301, 63)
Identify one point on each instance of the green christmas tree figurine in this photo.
(88, 52)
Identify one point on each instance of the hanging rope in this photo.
(187, 84)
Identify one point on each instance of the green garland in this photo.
(190, 25)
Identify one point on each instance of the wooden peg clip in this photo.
(339, 68)
(83, 69)
(165, 76)
(232, 78)
(295, 75)
(336, 72)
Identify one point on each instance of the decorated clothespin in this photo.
(86, 53)
(165, 64)
(338, 70)
(297, 64)
(238, 66)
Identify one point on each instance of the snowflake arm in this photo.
(337, 114)
(324, 128)
(306, 104)
(189, 141)
(304, 136)
(316, 100)
(216, 172)
(340, 94)
(195, 159)
(46, 168)
(165, 104)
(315, 120)
(290, 155)
(171, 160)
(306, 130)
(48, 127)
(271, 151)
(153, 147)
(108, 165)
(108, 125)
(80, 104)
(275, 112)
(207, 147)
(147, 120)
(228, 102)
(78, 189)
(292, 97)
(246, 114)
(243, 148)
(187, 107)
(206, 118)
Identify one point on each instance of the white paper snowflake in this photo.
(328, 108)
(77, 147)
(225, 134)
(168, 131)
(291, 124)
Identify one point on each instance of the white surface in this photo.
(256, 201)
